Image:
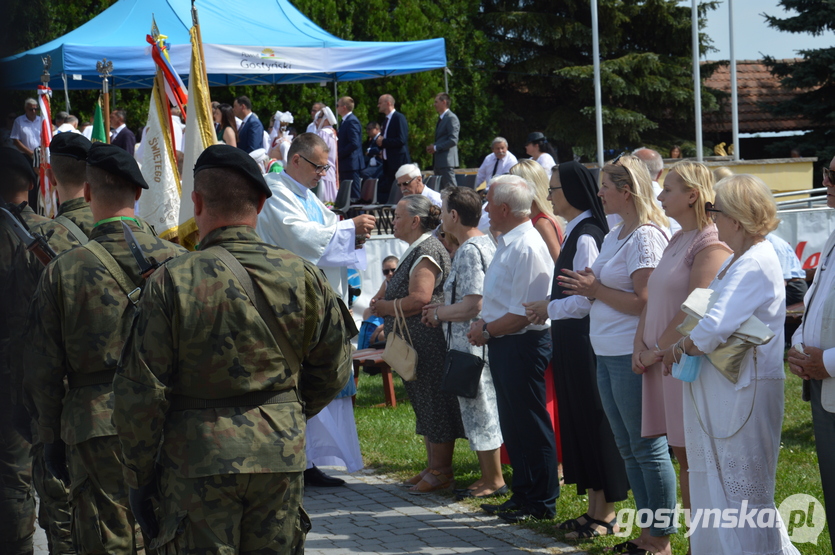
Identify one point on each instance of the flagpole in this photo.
(196, 23)
(734, 89)
(598, 94)
(697, 79)
(105, 68)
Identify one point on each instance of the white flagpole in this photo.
(734, 96)
(697, 79)
(598, 95)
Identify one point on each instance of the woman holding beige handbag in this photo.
(732, 428)
(419, 281)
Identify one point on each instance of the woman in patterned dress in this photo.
(480, 415)
(418, 281)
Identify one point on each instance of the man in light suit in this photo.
(445, 147)
(350, 145)
(251, 131)
(295, 219)
(816, 362)
(120, 135)
(393, 142)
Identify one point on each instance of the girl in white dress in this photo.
(732, 431)
(328, 185)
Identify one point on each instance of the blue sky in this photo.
(752, 36)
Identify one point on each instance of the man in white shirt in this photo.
(294, 218)
(26, 131)
(496, 163)
(409, 180)
(519, 351)
(816, 362)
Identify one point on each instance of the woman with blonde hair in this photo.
(617, 281)
(690, 260)
(542, 213)
(732, 429)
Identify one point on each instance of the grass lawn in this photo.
(390, 446)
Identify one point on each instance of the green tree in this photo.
(811, 78)
(544, 48)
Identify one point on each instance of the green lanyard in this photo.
(116, 219)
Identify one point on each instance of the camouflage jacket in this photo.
(77, 324)
(28, 270)
(14, 289)
(197, 334)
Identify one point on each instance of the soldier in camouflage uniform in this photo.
(17, 503)
(71, 227)
(216, 394)
(77, 325)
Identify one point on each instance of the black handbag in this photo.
(462, 370)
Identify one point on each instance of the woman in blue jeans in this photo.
(617, 284)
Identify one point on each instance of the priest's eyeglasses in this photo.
(319, 169)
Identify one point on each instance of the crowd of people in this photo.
(145, 419)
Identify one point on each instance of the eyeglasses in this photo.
(319, 169)
(404, 183)
(710, 207)
(829, 175)
(552, 189)
(387, 271)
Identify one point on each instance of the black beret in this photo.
(115, 160)
(11, 159)
(73, 145)
(225, 156)
(535, 137)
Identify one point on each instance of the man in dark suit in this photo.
(350, 145)
(393, 142)
(445, 148)
(120, 135)
(251, 131)
(373, 158)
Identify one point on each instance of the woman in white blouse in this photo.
(732, 430)
(540, 150)
(617, 284)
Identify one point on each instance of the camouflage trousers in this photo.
(232, 514)
(102, 523)
(54, 509)
(17, 504)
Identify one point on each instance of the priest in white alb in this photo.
(295, 219)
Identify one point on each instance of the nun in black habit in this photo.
(591, 459)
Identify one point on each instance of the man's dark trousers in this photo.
(518, 364)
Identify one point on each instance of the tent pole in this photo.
(697, 78)
(734, 94)
(335, 99)
(66, 92)
(598, 94)
(446, 80)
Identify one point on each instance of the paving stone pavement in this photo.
(373, 515)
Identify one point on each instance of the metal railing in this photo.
(811, 202)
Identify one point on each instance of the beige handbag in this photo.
(399, 353)
(727, 357)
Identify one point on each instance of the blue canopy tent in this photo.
(251, 42)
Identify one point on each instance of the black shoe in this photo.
(509, 505)
(315, 477)
(521, 515)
